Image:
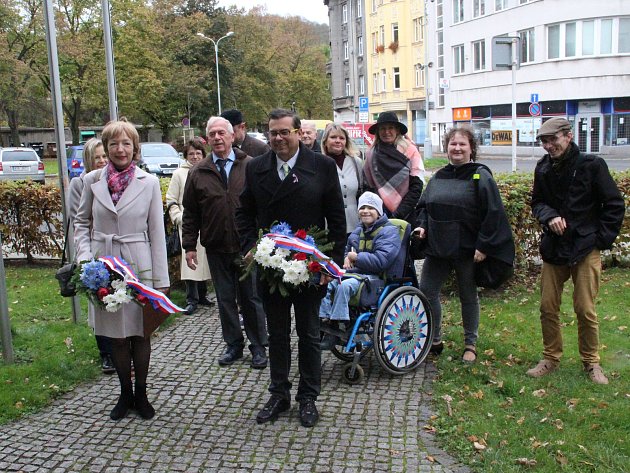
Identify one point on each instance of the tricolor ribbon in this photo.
(158, 299)
(299, 245)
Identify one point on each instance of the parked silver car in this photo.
(159, 158)
(20, 164)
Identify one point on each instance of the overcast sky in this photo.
(312, 10)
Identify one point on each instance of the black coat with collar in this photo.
(310, 195)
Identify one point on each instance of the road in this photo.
(504, 163)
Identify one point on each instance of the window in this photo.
(346, 51)
(569, 40)
(396, 78)
(418, 72)
(359, 8)
(458, 59)
(624, 35)
(479, 8)
(374, 42)
(344, 13)
(440, 90)
(499, 5)
(458, 11)
(521, 2)
(360, 45)
(479, 55)
(373, 6)
(417, 29)
(383, 80)
(375, 82)
(440, 48)
(553, 42)
(588, 38)
(439, 14)
(361, 85)
(381, 30)
(347, 87)
(395, 32)
(605, 44)
(527, 45)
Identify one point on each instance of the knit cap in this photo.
(372, 200)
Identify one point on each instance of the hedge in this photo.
(30, 220)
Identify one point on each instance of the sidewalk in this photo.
(205, 419)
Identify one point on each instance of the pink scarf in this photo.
(117, 181)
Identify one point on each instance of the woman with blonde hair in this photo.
(121, 214)
(336, 143)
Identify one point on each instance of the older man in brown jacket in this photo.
(211, 197)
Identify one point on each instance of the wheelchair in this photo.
(390, 316)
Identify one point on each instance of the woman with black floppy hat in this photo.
(393, 168)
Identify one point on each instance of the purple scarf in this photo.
(117, 181)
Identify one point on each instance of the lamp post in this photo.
(216, 60)
(428, 145)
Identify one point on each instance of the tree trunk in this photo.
(13, 119)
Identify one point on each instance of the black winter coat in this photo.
(586, 196)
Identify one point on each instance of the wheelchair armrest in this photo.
(400, 281)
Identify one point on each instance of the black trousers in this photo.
(278, 309)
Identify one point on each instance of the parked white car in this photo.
(21, 164)
(258, 136)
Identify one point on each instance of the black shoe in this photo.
(190, 309)
(142, 404)
(259, 358)
(308, 413)
(205, 301)
(107, 365)
(125, 402)
(436, 348)
(275, 405)
(230, 355)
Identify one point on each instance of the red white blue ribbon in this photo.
(158, 299)
(301, 246)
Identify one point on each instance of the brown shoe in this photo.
(596, 373)
(544, 367)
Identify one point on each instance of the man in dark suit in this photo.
(292, 184)
(251, 146)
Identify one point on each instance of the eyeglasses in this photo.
(283, 133)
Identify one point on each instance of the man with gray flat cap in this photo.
(581, 210)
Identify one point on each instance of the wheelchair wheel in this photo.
(403, 330)
(350, 377)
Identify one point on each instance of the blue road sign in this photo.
(363, 104)
(534, 109)
(534, 98)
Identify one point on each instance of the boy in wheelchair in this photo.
(372, 251)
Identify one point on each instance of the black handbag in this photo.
(492, 273)
(64, 274)
(173, 242)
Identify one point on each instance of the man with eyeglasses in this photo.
(211, 196)
(581, 211)
(292, 184)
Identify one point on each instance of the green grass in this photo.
(51, 166)
(52, 354)
(435, 163)
(562, 422)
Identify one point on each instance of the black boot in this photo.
(125, 402)
(143, 407)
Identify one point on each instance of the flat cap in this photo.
(235, 117)
(553, 126)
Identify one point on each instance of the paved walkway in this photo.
(205, 420)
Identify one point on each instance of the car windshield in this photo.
(158, 150)
(76, 153)
(25, 155)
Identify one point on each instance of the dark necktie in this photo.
(221, 165)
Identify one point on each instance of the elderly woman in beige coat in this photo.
(120, 214)
(196, 288)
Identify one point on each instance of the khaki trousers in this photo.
(585, 276)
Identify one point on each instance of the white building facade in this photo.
(575, 63)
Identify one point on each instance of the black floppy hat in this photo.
(388, 117)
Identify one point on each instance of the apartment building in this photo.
(574, 63)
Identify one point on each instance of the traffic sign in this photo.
(534, 109)
(534, 98)
(363, 104)
(364, 117)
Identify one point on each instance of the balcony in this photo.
(342, 102)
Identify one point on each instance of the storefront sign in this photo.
(461, 114)
(501, 137)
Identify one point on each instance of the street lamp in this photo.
(216, 60)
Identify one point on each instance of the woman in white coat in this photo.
(94, 157)
(196, 288)
(336, 143)
(120, 214)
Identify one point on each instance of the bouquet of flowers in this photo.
(109, 282)
(292, 259)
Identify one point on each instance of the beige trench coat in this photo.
(133, 230)
(175, 193)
